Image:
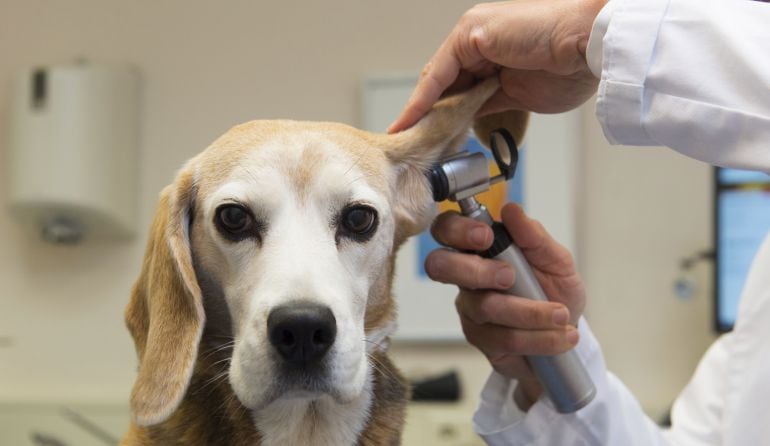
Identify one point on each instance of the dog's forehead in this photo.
(298, 152)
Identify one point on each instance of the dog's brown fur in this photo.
(178, 329)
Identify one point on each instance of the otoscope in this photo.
(459, 178)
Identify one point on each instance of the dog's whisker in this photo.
(213, 380)
(381, 368)
(221, 361)
(225, 346)
(215, 348)
(220, 366)
(248, 172)
(382, 347)
(361, 177)
(240, 408)
(210, 352)
(227, 406)
(355, 163)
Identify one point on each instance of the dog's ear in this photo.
(440, 133)
(165, 314)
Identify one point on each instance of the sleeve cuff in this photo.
(595, 40)
(627, 48)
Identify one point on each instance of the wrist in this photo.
(525, 395)
(571, 33)
(592, 9)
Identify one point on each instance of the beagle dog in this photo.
(263, 310)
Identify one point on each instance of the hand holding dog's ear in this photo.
(437, 135)
(536, 48)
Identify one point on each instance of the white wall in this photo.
(208, 65)
(645, 209)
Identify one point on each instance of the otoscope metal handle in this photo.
(564, 378)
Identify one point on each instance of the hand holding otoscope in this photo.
(459, 178)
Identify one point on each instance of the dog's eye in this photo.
(234, 220)
(358, 222)
(359, 219)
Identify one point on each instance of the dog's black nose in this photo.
(302, 332)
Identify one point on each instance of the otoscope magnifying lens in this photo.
(501, 148)
(505, 151)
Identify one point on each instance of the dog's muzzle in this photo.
(301, 332)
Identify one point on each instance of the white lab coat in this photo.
(693, 75)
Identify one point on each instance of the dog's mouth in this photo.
(303, 383)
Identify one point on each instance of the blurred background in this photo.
(66, 360)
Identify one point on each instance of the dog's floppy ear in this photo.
(165, 314)
(438, 134)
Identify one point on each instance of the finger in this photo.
(439, 73)
(513, 366)
(468, 270)
(496, 340)
(540, 249)
(465, 80)
(512, 311)
(460, 232)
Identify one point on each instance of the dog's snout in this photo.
(302, 333)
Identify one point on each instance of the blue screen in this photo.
(743, 221)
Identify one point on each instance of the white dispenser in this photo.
(73, 151)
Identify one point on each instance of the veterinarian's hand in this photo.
(536, 47)
(506, 327)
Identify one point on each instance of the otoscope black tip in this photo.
(438, 183)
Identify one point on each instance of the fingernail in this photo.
(478, 236)
(573, 336)
(561, 316)
(504, 277)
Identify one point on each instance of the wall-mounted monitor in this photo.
(742, 220)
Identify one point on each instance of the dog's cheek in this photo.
(249, 374)
(356, 380)
(349, 366)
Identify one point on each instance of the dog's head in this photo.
(283, 235)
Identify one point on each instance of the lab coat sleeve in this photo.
(697, 415)
(614, 417)
(692, 75)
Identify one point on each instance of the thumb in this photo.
(541, 250)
